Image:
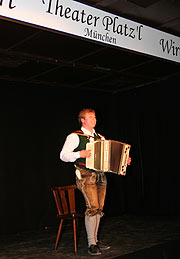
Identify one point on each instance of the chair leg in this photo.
(75, 235)
(58, 234)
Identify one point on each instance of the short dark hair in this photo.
(83, 112)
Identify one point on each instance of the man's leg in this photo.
(91, 224)
(92, 221)
(98, 217)
(101, 190)
(87, 185)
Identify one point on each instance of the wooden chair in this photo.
(65, 202)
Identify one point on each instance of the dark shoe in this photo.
(102, 246)
(94, 250)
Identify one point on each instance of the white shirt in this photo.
(67, 153)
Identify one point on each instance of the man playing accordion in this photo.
(90, 182)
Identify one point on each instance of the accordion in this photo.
(108, 156)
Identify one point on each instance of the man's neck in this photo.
(91, 130)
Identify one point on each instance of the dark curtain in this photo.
(34, 124)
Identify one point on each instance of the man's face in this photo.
(89, 121)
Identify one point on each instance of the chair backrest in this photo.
(65, 199)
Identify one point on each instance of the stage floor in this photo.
(128, 236)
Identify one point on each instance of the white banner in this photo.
(88, 22)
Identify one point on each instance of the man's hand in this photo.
(129, 161)
(85, 153)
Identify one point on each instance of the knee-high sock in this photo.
(90, 224)
(98, 217)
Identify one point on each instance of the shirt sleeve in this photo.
(67, 153)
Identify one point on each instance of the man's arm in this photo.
(67, 153)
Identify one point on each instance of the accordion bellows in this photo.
(108, 156)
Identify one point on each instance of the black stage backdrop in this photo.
(34, 125)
